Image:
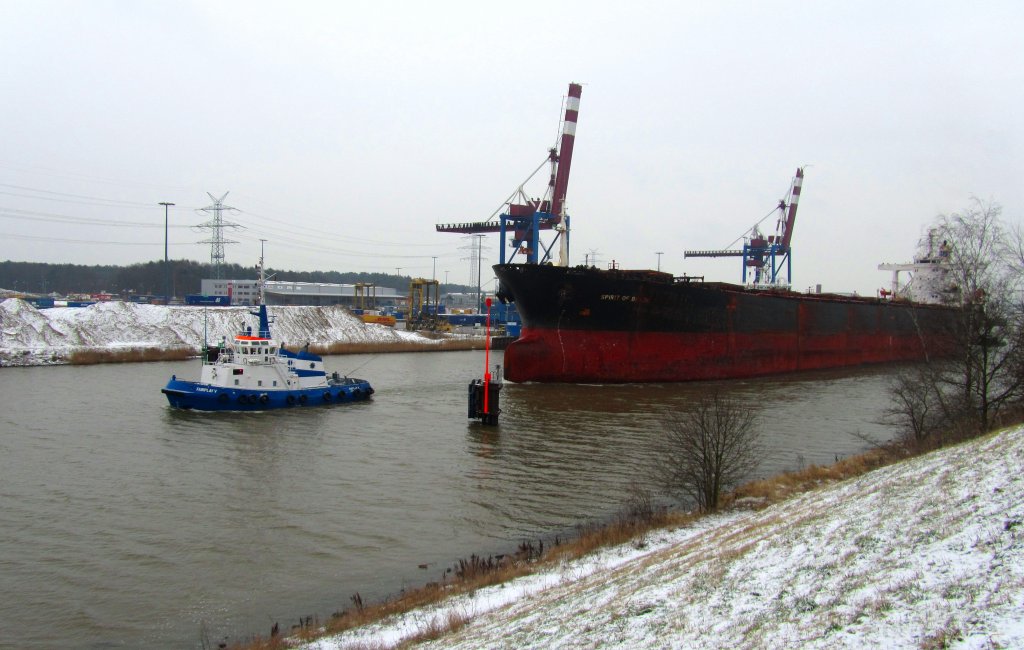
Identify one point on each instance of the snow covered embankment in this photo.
(33, 336)
(926, 553)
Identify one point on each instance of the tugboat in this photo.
(255, 373)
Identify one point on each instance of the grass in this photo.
(442, 345)
(765, 492)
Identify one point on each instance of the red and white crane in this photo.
(525, 217)
(765, 256)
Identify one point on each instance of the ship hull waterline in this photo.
(584, 325)
(191, 395)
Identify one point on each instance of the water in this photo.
(124, 523)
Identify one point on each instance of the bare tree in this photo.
(709, 449)
(1014, 256)
(968, 392)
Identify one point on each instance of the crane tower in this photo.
(765, 256)
(525, 217)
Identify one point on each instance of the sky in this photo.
(342, 132)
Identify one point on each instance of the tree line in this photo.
(183, 276)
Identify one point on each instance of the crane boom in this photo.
(564, 154)
(794, 199)
(760, 253)
(525, 217)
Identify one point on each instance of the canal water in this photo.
(124, 523)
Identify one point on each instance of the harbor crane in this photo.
(525, 217)
(765, 256)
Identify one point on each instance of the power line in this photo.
(107, 203)
(43, 171)
(315, 241)
(98, 242)
(32, 215)
(321, 236)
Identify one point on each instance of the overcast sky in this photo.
(344, 131)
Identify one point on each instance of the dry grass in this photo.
(444, 345)
(131, 355)
(622, 530)
(765, 492)
(437, 628)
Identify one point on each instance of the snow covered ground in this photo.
(928, 553)
(33, 336)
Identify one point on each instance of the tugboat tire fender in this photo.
(264, 398)
(290, 399)
(327, 396)
(302, 399)
(223, 397)
(242, 399)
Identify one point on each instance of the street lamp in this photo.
(479, 263)
(433, 273)
(659, 254)
(167, 282)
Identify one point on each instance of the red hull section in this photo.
(622, 357)
(587, 325)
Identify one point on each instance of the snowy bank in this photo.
(33, 336)
(925, 553)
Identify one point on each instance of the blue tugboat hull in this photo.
(206, 397)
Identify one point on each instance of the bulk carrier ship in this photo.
(587, 325)
(583, 324)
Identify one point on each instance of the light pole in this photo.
(167, 270)
(479, 263)
(433, 273)
(261, 297)
(659, 254)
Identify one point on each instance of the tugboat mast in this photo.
(260, 299)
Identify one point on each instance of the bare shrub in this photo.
(639, 505)
(709, 450)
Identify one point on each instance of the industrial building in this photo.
(246, 292)
(240, 292)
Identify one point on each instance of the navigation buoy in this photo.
(483, 393)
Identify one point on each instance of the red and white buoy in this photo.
(483, 394)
